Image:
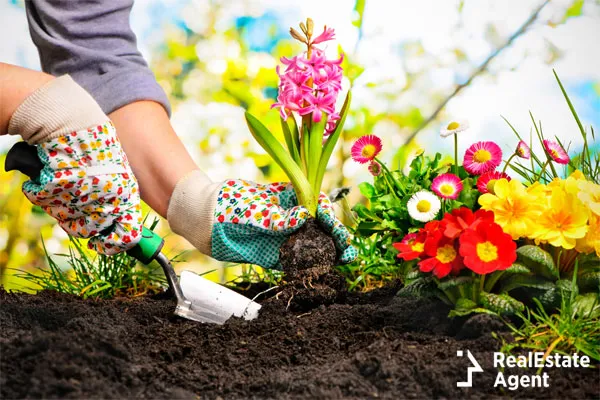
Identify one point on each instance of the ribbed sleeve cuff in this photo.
(59, 107)
(122, 87)
(192, 207)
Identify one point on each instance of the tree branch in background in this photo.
(479, 70)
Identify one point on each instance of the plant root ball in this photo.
(309, 247)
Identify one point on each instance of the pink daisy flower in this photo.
(447, 186)
(558, 154)
(482, 157)
(375, 168)
(523, 150)
(366, 148)
(487, 181)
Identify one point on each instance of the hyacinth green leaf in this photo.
(502, 304)
(314, 152)
(268, 142)
(331, 141)
(292, 138)
(538, 261)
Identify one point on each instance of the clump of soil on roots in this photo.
(307, 258)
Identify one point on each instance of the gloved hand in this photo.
(250, 221)
(86, 183)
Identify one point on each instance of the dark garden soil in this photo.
(372, 345)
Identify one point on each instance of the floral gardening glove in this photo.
(241, 221)
(86, 183)
(250, 218)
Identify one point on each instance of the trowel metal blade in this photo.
(207, 295)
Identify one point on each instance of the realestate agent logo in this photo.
(475, 368)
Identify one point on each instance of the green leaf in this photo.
(587, 305)
(292, 138)
(501, 303)
(367, 190)
(538, 260)
(589, 281)
(268, 142)
(529, 281)
(517, 268)
(422, 287)
(450, 283)
(331, 142)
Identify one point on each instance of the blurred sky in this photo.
(524, 81)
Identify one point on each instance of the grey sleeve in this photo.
(92, 41)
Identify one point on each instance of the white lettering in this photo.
(499, 359)
(500, 380)
(585, 361)
(513, 382)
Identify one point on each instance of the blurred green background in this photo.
(411, 67)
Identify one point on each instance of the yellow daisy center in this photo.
(418, 247)
(447, 189)
(487, 252)
(446, 254)
(369, 151)
(482, 156)
(423, 206)
(490, 185)
(554, 153)
(452, 126)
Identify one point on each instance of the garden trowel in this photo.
(198, 299)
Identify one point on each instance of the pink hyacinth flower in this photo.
(447, 186)
(523, 150)
(557, 153)
(366, 148)
(482, 157)
(322, 102)
(328, 34)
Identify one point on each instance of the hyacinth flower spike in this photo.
(309, 85)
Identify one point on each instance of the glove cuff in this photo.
(59, 107)
(192, 208)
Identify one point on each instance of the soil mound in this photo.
(372, 345)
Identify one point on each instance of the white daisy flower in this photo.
(454, 127)
(423, 206)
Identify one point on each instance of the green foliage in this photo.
(574, 328)
(97, 275)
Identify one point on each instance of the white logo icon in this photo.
(475, 368)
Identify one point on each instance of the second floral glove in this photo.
(248, 222)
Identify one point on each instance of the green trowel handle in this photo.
(148, 248)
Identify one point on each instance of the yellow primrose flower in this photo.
(591, 241)
(63, 140)
(62, 164)
(589, 194)
(83, 146)
(577, 175)
(515, 210)
(564, 221)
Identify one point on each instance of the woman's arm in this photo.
(12, 94)
(93, 42)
